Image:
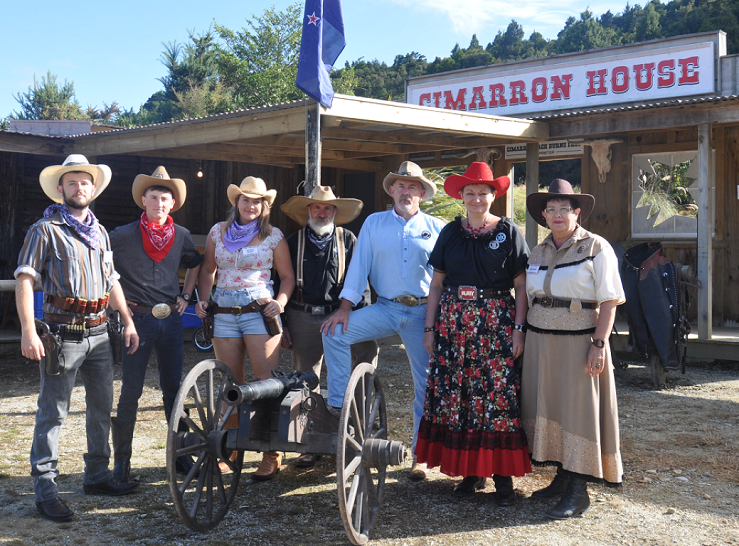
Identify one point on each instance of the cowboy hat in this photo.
(410, 171)
(251, 187)
(159, 177)
(558, 189)
(346, 209)
(477, 173)
(51, 176)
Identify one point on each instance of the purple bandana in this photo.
(89, 231)
(237, 236)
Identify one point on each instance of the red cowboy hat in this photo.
(477, 173)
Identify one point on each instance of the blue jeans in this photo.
(226, 325)
(165, 335)
(93, 359)
(383, 319)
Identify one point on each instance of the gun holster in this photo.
(53, 359)
(271, 323)
(115, 334)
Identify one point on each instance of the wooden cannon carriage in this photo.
(283, 413)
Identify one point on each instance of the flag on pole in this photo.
(322, 43)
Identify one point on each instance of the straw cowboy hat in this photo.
(159, 178)
(251, 187)
(410, 171)
(477, 173)
(50, 177)
(346, 209)
(558, 189)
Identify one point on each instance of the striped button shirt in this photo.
(66, 267)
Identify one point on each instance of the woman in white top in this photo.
(568, 394)
(243, 250)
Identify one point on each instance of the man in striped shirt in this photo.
(68, 252)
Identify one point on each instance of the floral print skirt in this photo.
(472, 419)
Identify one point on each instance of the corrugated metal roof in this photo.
(636, 107)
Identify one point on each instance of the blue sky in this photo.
(111, 50)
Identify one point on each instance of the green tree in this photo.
(48, 100)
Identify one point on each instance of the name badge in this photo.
(107, 256)
(533, 269)
(250, 252)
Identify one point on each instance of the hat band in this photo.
(75, 164)
(404, 173)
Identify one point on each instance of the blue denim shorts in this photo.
(226, 325)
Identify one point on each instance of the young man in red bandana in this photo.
(148, 254)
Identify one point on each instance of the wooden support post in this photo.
(312, 147)
(532, 186)
(705, 235)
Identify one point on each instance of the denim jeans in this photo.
(93, 359)
(165, 335)
(227, 325)
(383, 319)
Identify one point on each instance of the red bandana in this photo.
(158, 239)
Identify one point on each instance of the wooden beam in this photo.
(415, 117)
(246, 157)
(355, 165)
(34, 144)
(705, 238)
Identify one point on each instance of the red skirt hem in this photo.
(482, 462)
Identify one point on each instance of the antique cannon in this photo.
(283, 413)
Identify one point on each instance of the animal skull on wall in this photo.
(600, 151)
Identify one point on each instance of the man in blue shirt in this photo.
(392, 251)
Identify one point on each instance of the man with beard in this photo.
(320, 253)
(148, 254)
(68, 251)
(392, 251)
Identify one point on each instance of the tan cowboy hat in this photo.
(410, 171)
(253, 187)
(558, 189)
(51, 176)
(346, 209)
(159, 178)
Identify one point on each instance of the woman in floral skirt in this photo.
(474, 332)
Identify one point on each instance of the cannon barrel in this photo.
(268, 388)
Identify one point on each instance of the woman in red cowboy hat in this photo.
(472, 423)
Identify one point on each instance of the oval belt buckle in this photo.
(161, 310)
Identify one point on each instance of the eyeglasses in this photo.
(562, 211)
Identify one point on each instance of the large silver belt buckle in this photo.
(318, 310)
(467, 292)
(546, 301)
(161, 310)
(408, 301)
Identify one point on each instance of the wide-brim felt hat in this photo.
(410, 171)
(252, 187)
(558, 189)
(159, 177)
(50, 177)
(477, 173)
(347, 209)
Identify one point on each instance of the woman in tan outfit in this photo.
(568, 394)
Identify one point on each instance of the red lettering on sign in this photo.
(561, 86)
(665, 74)
(689, 74)
(517, 92)
(536, 84)
(458, 104)
(497, 92)
(478, 101)
(600, 75)
(426, 97)
(620, 79)
(643, 74)
(437, 96)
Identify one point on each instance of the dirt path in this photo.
(680, 447)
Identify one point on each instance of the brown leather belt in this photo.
(313, 309)
(136, 308)
(410, 301)
(554, 302)
(253, 307)
(73, 320)
(77, 305)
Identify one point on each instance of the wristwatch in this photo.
(599, 343)
(520, 327)
(185, 297)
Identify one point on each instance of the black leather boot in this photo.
(504, 495)
(122, 449)
(555, 489)
(574, 502)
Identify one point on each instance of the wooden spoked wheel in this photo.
(360, 484)
(196, 429)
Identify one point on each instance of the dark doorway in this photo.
(360, 186)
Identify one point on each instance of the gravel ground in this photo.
(680, 445)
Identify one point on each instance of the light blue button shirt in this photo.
(394, 255)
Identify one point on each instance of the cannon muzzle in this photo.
(268, 388)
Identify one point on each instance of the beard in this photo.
(321, 226)
(77, 202)
(404, 205)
